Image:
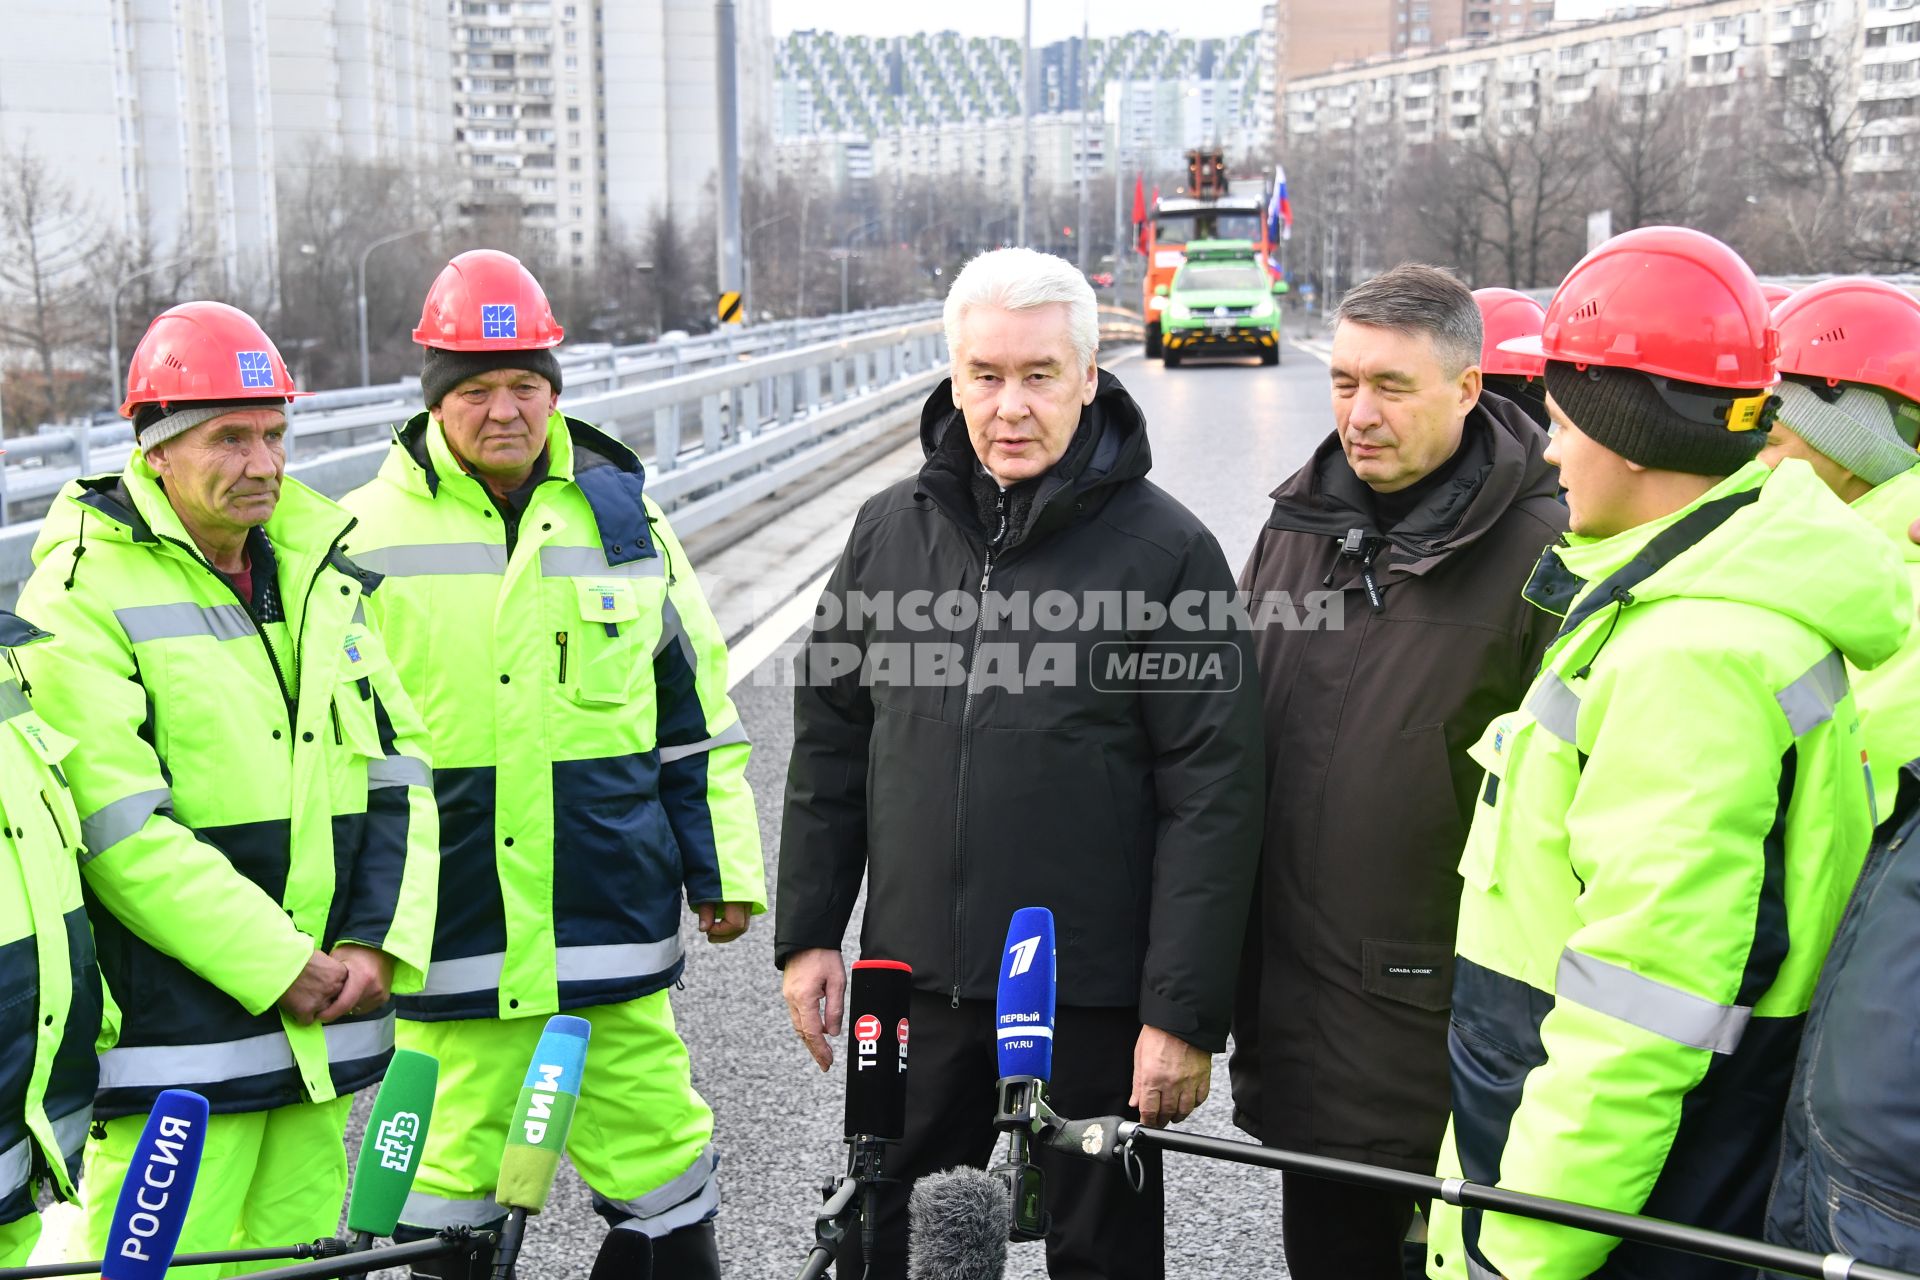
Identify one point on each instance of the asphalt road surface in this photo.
(1223, 435)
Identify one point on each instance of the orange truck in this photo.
(1207, 208)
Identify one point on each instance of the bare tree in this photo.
(1653, 153)
(1439, 211)
(1529, 181)
(49, 302)
(331, 209)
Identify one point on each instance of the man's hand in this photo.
(728, 923)
(369, 981)
(1170, 1078)
(314, 990)
(815, 978)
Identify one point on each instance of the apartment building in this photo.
(1718, 46)
(585, 119)
(174, 120)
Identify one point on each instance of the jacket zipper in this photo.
(54, 818)
(259, 628)
(966, 742)
(560, 643)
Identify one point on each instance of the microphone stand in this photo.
(1022, 1111)
(1110, 1138)
(362, 1242)
(330, 1247)
(511, 1237)
(830, 1225)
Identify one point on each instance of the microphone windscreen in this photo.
(544, 1113)
(153, 1200)
(1025, 1004)
(877, 1001)
(396, 1135)
(957, 1224)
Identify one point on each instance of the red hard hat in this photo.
(1853, 329)
(1506, 314)
(205, 351)
(484, 300)
(1667, 301)
(1775, 294)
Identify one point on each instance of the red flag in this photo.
(1139, 213)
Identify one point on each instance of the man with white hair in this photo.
(1023, 689)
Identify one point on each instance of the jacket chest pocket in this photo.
(1494, 753)
(356, 724)
(609, 639)
(54, 810)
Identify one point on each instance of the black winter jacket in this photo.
(1134, 816)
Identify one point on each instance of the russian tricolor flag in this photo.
(1280, 212)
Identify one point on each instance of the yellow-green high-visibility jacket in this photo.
(589, 765)
(1666, 835)
(253, 783)
(53, 1013)
(1889, 695)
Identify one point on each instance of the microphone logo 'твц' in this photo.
(866, 1034)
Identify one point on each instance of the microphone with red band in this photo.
(877, 1003)
(1023, 1024)
(878, 998)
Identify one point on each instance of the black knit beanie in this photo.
(1625, 411)
(442, 371)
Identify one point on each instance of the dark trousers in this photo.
(1101, 1227)
(1339, 1231)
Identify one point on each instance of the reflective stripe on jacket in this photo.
(249, 790)
(1666, 834)
(590, 767)
(1889, 695)
(52, 1008)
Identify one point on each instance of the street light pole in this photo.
(1026, 123)
(366, 376)
(729, 229)
(746, 262)
(114, 371)
(1086, 160)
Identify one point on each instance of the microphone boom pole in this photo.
(451, 1242)
(1109, 1137)
(329, 1247)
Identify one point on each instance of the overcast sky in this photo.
(1052, 19)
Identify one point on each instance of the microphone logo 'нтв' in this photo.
(397, 1140)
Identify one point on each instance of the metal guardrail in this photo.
(36, 466)
(715, 439)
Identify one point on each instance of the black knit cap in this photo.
(442, 371)
(1626, 412)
